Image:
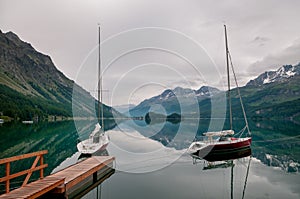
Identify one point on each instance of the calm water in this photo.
(151, 161)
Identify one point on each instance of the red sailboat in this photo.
(222, 145)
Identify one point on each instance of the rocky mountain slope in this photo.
(32, 87)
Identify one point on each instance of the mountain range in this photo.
(273, 94)
(33, 88)
(174, 100)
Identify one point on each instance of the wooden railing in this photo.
(34, 167)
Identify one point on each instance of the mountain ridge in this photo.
(280, 75)
(170, 99)
(267, 96)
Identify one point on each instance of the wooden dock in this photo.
(84, 175)
(71, 182)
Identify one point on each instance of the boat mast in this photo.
(100, 105)
(228, 78)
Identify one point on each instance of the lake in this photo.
(151, 160)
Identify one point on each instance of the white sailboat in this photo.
(98, 139)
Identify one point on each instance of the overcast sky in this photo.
(148, 46)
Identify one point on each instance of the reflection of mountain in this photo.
(154, 118)
(58, 138)
(275, 143)
(282, 161)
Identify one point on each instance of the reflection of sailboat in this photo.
(225, 146)
(98, 139)
(230, 164)
(221, 164)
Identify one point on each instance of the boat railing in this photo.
(35, 167)
(214, 137)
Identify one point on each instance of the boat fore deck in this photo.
(70, 182)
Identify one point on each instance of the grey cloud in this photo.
(67, 31)
(289, 55)
(260, 40)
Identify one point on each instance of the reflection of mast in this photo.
(231, 182)
(246, 179)
(248, 167)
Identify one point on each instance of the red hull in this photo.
(226, 151)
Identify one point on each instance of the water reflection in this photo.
(161, 148)
(226, 165)
(275, 143)
(59, 138)
(182, 179)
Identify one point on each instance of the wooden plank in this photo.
(83, 167)
(82, 170)
(90, 171)
(24, 156)
(35, 189)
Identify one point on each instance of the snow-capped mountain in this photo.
(204, 91)
(169, 99)
(282, 74)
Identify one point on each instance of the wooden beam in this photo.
(22, 173)
(30, 173)
(24, 156)
(42, 170)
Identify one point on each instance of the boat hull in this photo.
(90, 150)
(225, 151)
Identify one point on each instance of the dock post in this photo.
(7, 171)
(94, 177)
